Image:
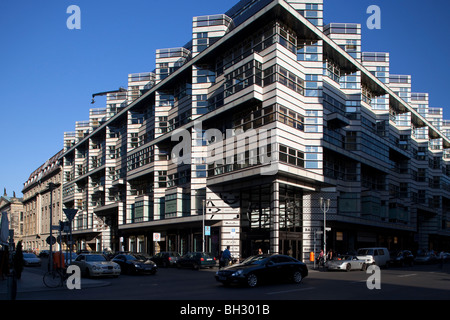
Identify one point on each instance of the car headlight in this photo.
(116, 266)
(94, 267)
(137, 265)
(238, 273)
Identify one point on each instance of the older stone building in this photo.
(42, 196)
(13, 207)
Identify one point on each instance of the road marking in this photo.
(407, 275)
(287, 291)
(359, 281)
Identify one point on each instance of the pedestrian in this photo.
(18, 261)
(320, 258)
(4, 263)
(330, 255)
(441, 260)
(227, 256)
(2, 276)
(221, 260)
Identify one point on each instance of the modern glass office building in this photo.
(251, 129)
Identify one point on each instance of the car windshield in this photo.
(142, 256)
(255, 260)
(95, 258)
(29, 255)
(365, 252)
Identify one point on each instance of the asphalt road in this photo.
(427, 282)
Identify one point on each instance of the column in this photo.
(275, 215)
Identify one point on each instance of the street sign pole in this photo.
(203, 226)
(70, 214)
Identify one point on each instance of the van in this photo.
(377, 256)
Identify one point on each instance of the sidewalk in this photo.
(31, 281)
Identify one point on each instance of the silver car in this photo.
(30, 260)
(347, 263)
(95, 265)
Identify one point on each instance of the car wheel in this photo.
(364, 267)
(196, 266)
(297, 277)
(87, 273)
(252, 280)
(348, 267)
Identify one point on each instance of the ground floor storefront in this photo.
(273, 214)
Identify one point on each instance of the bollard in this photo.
(11, 287)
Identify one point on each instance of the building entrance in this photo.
(291, 245)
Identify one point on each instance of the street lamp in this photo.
(324, 206)
(51, 186)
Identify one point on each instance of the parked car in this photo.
(425, 258)
(197, 260)
(135, 263)
(44, 254)
(347, 263)
(378, 256)
(94, 265)
(31, 260)
(263, 268)
(402, 258)
(166, 259)
(69, 256)
(446, 256)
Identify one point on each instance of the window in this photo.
(277, 73)
(291, 156)
(243, 77)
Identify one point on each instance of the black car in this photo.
(135, 263)
(263, 268)
(44, 254)
(197, 260)
(402, 258)
(166, 259)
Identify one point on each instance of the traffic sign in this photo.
(207, 230)
(156, 236)
(70, 213)
(51, 240)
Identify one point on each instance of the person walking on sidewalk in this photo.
(227, 256)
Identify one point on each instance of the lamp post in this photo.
(324, 206)
(51, 186)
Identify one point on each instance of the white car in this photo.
(347, 263)
(378, 256)
(96, 265)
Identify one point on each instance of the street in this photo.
(420, 282)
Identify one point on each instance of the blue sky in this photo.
(48, 72)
